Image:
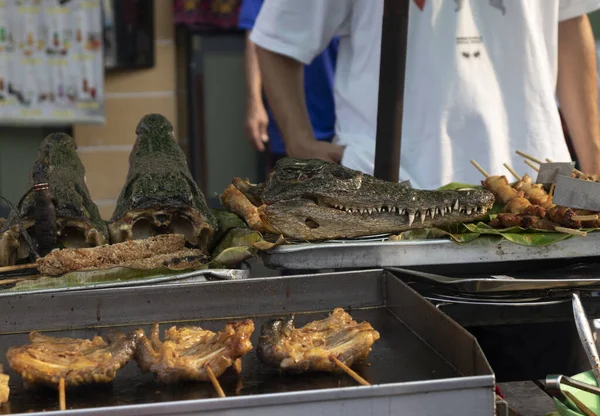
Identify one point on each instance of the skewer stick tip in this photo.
(526, 156)
(570, 231)
(61, 394)
(349, 371)
(512, 171)
(531, 165)
(214, 381)
(480, 169)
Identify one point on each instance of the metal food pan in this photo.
(413, 368)
(353, 254)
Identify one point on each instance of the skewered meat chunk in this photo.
(4, 389)
(79, 361)
(309, 348)
(506, 220)
(499, 186)
(187, 351)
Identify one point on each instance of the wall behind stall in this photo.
(105, 149)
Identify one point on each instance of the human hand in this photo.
(256, 124)
(315, 149)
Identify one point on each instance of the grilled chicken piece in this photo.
(309, 348)
(79, 361)
(4, 389)
(187, 351)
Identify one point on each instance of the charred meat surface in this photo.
(186, 351)
(160, 195)
(154, 252)
(309, 348)
(57, 205)
(310, 199)
(4, 388)
(45, 360)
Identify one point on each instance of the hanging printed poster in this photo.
(51, 62)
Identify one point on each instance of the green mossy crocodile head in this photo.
(160, 195)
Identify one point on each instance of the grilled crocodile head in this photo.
(160, 195)
(315, 200)
(75, 219)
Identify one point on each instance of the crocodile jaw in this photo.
(306, 220)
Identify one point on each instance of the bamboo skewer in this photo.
(578, 403)
(565, 230)
(531, 165)
(585, 217)
(349, 371)
(7, 269)
(512, 171)
(480, 169)
(526, 156)
(214, 381)
(61, 394)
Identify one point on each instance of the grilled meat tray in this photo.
(379, 252)
(422, 360)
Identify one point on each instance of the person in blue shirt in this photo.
(261, 129)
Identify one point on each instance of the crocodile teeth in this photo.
(423, 216)
(393, 209)
(433, 213)
(411, 219)
(350, 211)
(370, 211)
(468, 211)
(456, 204)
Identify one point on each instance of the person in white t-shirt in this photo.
(482, 78)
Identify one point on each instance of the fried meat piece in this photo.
(4, 389)
(187, 351)
(233, 199)
(309, 348)
(79, 361)
(132, 253)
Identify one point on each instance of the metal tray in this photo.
(412, 367)
(353, 254)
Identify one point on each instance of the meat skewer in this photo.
(214, 381)
(349, 371)
(498, 185)
(61, 394)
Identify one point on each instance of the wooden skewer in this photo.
(349, 371)
(526, 156)
(579, 404)
(61, 394)
(549, 161)
(512, 171)
(480, 169)
(585, 217)
(570, 231)
(18, 267)
(214, 381)
(531, 165)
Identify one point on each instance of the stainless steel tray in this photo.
(412, 367)
(353, 254)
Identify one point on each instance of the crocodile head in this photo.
(314, 200)
(76, 218)
(160, 195)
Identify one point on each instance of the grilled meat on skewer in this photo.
(167, 250)
(309, 348)
(79, 361)
(506, 220)
(187, 351)
(4, 389)
(499, 186)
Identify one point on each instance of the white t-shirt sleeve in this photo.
(569, 9)
(300, 29)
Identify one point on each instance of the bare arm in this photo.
(256, 115)
(284, 85)
(577, 90)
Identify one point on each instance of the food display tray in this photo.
(372, 253)
(413, 368)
